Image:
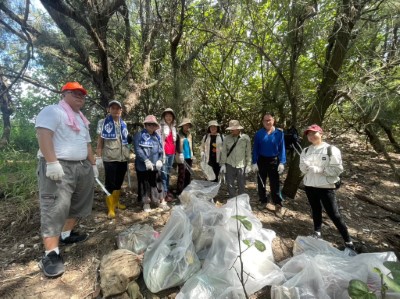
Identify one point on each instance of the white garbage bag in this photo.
(136, 238)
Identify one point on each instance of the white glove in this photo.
(315, 169)
(95, 171)
(281, 168)
(181, 158)
(99, 163)
(247, 169)
(54, 170)
(223, 169)
(254, 167)
(203, 156)
(149, 165)
(159, 164)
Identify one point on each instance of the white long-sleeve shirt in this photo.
(326, 169)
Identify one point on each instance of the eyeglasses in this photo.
(77, 94)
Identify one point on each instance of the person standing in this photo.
(148, 162)
(236, 158)
(168, 135)
(211, 147)
(269, 157)
(66, 173)
(184, 151)
(113, 154)
(321, 165)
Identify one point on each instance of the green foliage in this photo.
(248, 225)
(242, 219)
(18, 178)
(359, 289)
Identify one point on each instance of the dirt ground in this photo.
(369, 202)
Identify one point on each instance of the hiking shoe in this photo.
(146, 207)
(271, 207)
(261, 205)
(350, 248)
(52, 265)
(316, 235)
(74, 238)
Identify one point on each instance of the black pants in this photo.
(184, 176)
(146, 180)
(268, 167)
(216, 168)
(318, 198)
(114, 175)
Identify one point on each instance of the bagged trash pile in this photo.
(198, 248)
(318, 270)
(136, 238)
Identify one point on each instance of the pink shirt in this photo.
(169, 145)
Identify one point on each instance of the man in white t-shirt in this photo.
(66, 171)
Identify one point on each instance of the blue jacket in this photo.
(147, 147)
(272, 145)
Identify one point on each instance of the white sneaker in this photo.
(146, 207)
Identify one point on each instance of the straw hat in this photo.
(234, 125)
(213, 123)
(168, 110)
(151, 119)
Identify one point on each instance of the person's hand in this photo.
(203, 156)
(149, 165)
(159, 164)
(315, 169)
(247, 169)
(54, 170)
(254, 167)
(281, 168)
(99, 163)
(223, 169)
(181, 158)
(95, 171)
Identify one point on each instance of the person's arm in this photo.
(224, 151)
(90, 156)
(304, 164)
(100, 145)
(255, 149)
(248, 152)
(45, 139)
(334, 167)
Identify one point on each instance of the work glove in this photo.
(203, 156)
(247, 169)
(164, 159)
(54, 170)
(181, 158)
(315, 169)
(99, 163)
(95, 171)
(149, 165)
(159, 164)
(223, 169)
(254, 167)
(281, 168)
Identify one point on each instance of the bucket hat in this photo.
(168, 110)
(213, 123)
(185, 121)
(234, 125)
(151, 119)
(114, 102)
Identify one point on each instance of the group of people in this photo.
(67, 162)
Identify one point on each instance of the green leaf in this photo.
(246, 223)
(359, 290)
(239, 217)
(394, 267)
(247, 242)
(259, 245)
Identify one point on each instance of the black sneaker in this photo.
(52, 265)
(74, 238)
(316, 235)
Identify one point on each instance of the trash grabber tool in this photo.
(188, 168)
(259, 176)
(102, 187)
(129, 172)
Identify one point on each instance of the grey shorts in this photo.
(72, 197)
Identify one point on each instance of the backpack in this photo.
(329, 152)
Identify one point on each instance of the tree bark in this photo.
(6, 111)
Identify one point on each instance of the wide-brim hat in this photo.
(151, 119)
(213, 123)
(313, 128)
(185, 121)
(168, 110)
(74, 86)
(234, 125)
(114, 102)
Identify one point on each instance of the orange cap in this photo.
(74, 86)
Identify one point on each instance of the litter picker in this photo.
(102, 187)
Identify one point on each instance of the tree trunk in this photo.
(6, 111)
(389, 133)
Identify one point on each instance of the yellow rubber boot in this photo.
(117, 194)
(111, 206)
